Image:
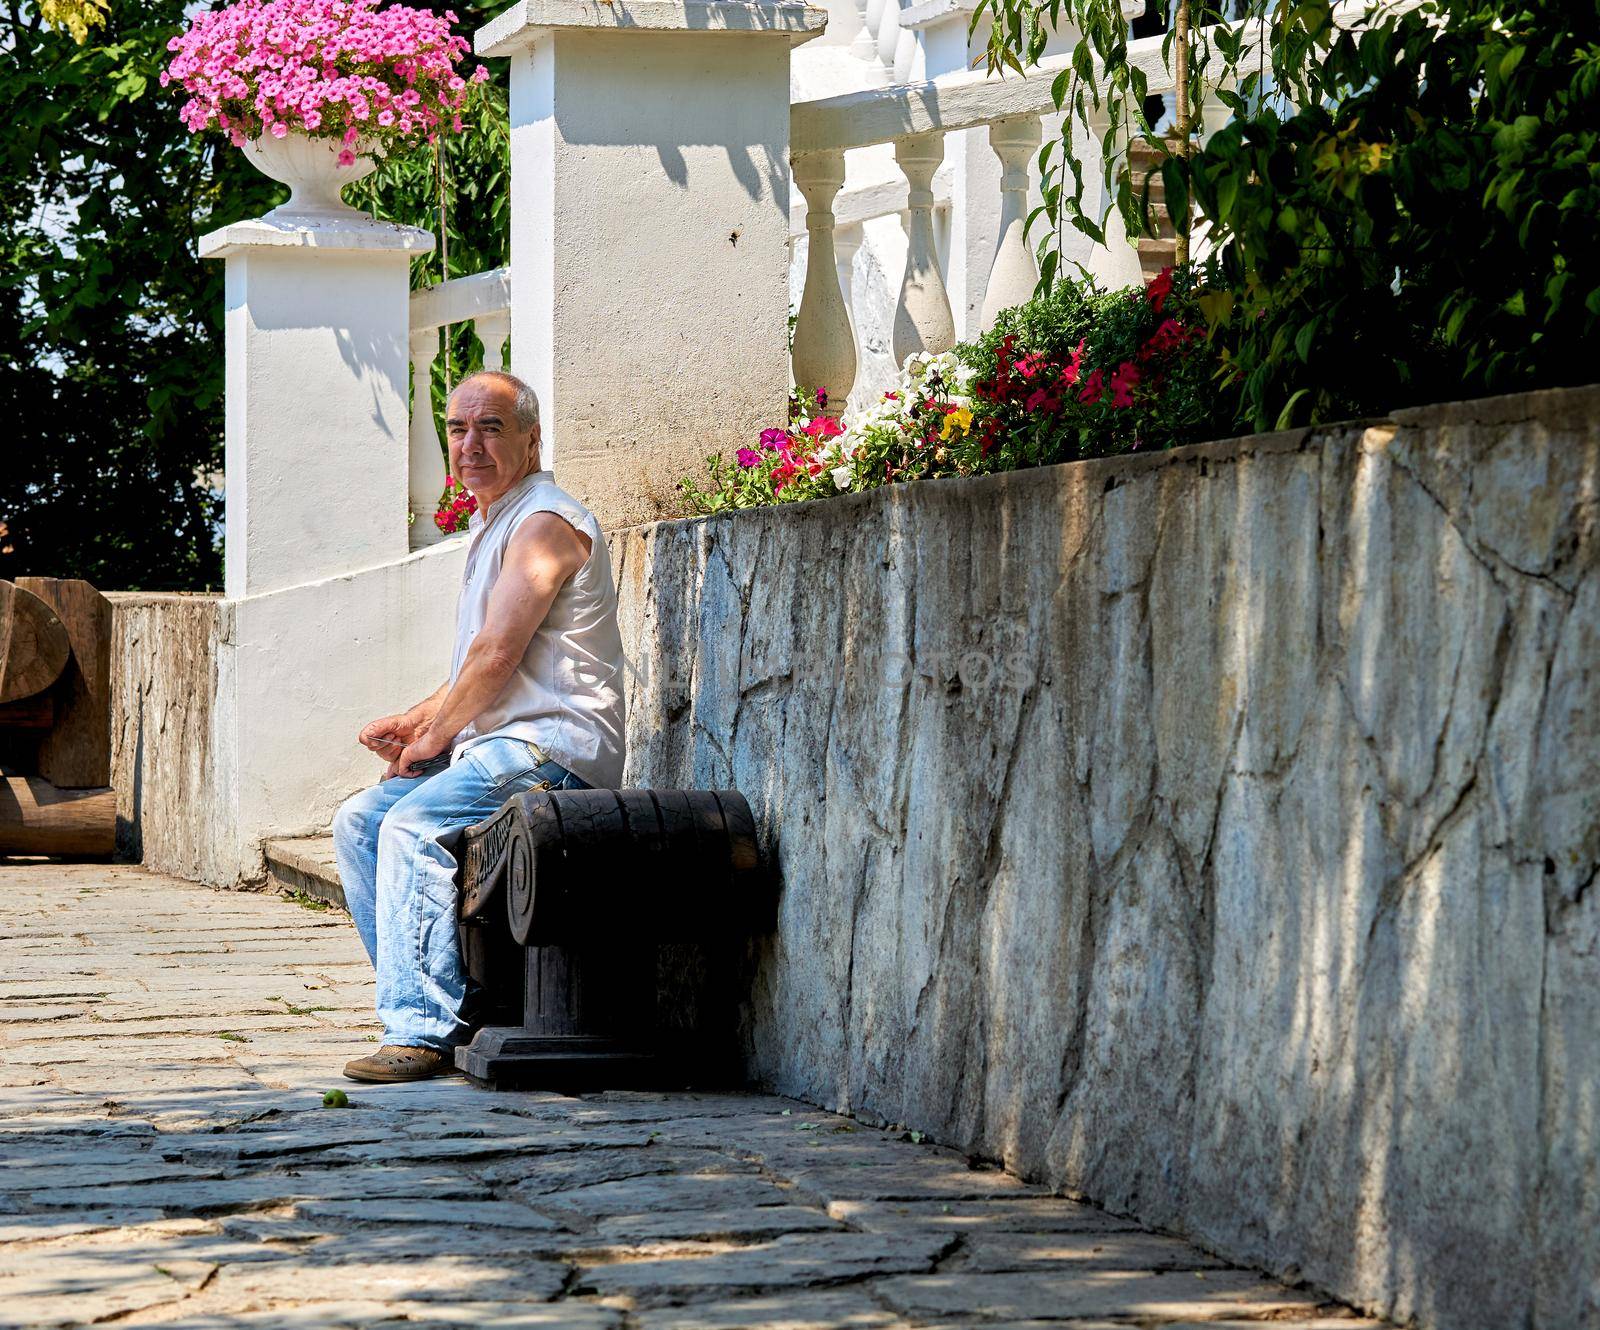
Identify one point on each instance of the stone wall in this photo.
(173, 803)
(1212, 833)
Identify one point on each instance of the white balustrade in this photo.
(847, 241)
(426, 457)
(494, 331)
(1014, 275)
(905, 53)
(922, 321)
(864, 45)
(888, 32)
(915, 118)
(824, 341)
(484, 300)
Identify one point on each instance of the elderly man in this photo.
(534, 700)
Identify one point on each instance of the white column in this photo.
(922, 321)
(888, 33)
(824, 340)
(494, 331)
(846, 241)
(649, 234)
(905, 55)
(317, 327)
(1014, 274)
(844, 22)
(864, 46)
(427, 460)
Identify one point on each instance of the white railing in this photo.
(915, 118)
(484, 299)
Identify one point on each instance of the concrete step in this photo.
(305, 864)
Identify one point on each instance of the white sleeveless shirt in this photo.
(566, 695)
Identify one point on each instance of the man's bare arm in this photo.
(543, 553)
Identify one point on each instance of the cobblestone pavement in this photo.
(165, 1158)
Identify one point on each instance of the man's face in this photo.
(489, 453)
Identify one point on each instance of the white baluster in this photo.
(1013, 275)
(905, 55)
(844, 21)
(888, 33)
(494, 331)
(824, 342)
(846, 241)
(864, 45)
(922, 320)
(426, 461)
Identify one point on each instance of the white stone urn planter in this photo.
(310, 167)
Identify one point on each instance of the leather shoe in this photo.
(400, 1062)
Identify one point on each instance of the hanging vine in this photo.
(1211, 44)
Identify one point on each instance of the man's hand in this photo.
(426, 745)
(388, 735)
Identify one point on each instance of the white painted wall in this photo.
(302, 670)
(649, 242)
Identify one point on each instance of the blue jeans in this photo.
(400, 881)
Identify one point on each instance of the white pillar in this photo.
(846, 241)
(864, 45)
(649, 153)
(316, 422)
(1013, 275)
(494, 331)
(922, 320)
(888, 33)
(427, 459)
(824, 340)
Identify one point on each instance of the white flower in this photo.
(841, 476)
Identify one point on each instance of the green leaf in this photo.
(1304, 338)
(1286, 416)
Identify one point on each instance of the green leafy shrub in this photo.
(912, 432)
(1426, 234)
(1080, 372)
(1077, 372)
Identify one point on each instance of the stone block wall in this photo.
(1212, 833)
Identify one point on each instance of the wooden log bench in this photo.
(602, 929)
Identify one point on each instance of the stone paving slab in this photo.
(156, 1172)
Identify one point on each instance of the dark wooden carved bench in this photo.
(602, 929)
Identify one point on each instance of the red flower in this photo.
(1042, 398)
(991, 428)
(1028, 366)
(1122, 382)
(1093, 387)
(1170, 334)
(1159, 289)
(1071, 372)
(1002, 356)
(822, 427)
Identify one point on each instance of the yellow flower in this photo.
(76, 16)
(959, 420)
